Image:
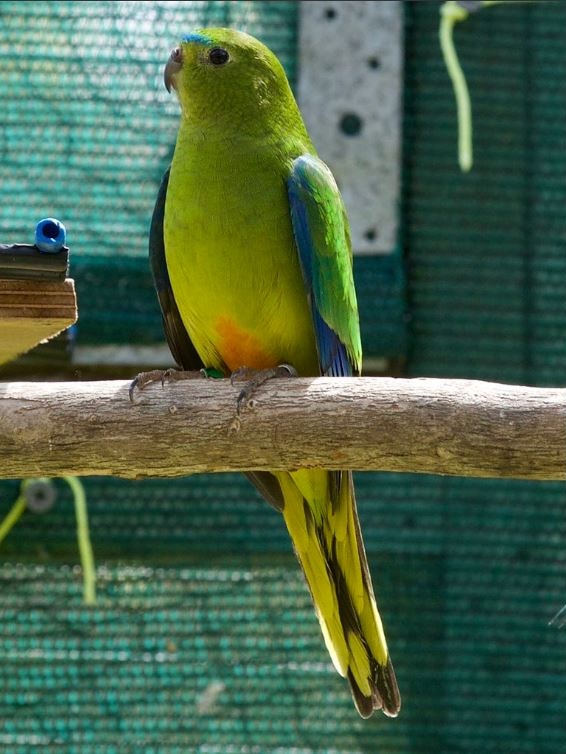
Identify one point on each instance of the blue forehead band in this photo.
(198, 38)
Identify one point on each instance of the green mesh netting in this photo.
(486, 257)
(204, 639)
(205, 635)
(87, 126)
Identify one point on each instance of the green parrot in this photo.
(251, 257)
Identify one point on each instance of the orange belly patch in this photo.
(239, 348)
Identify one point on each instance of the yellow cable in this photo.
(83, 534)
(83, 537)
(12, 516)
(452, 13)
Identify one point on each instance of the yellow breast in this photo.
(234, 267)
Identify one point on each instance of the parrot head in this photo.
(224, 74)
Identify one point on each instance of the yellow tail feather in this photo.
(320, 514)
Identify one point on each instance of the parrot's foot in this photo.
(167, 375)
(255, 379)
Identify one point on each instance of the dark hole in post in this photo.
(351, 124)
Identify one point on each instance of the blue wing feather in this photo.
(314, 203)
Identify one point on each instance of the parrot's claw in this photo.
(162, 375)
(255, 379)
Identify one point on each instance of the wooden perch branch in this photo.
(455, 427)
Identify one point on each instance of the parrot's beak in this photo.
(174, 65)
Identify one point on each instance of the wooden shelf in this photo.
(32, 311)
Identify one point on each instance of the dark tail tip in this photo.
(386, 684)
(385, 692)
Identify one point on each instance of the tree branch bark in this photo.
(455, 427)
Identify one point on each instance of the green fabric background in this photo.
(204, 638)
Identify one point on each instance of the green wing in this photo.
(322, 235)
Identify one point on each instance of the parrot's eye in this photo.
(218, 56)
